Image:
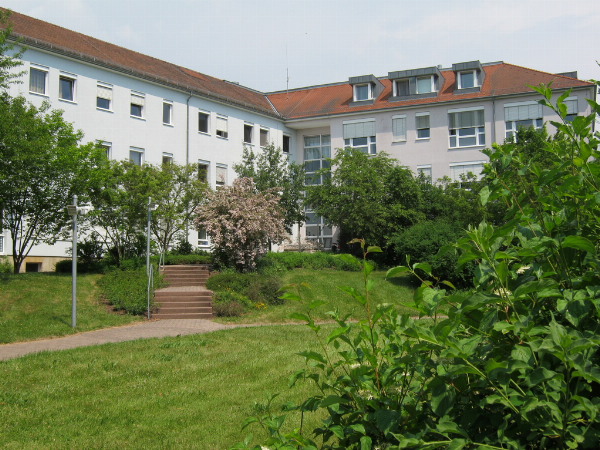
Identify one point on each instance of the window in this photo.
(264, 137)
(360, 134)
(466, 127)
(248, 133)
(167, 158)
(316, 229)
(467, 79)
(203, 170)
(572, 108)
(137, 104)
(286, 144)
(37, 80)
(107, 148)
(317, 150)
(1, 244)
(203, 238)
(399, 128)
(104, 95)
(221, 175)
(363, 92)
(364, 144)
(167, 113)
(136, 155)
(522, 114)
(424, 171)
(402, 88)
(422, 125)
(458, 171)
(203, 122)
(222, 126)
(66, 88)
(425, 85)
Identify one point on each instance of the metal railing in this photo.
(150, 284)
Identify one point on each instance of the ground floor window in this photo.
(317, 231)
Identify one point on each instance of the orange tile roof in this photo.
(37, 33)
(500, 79)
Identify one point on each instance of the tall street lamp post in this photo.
(151, 207)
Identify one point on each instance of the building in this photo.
(434, 120)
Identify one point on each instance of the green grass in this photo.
(190, 392)
(323, 286)
(38, 305)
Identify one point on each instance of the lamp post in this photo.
(151, 207)
(72, 210)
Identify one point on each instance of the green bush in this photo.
(66, 266)
(280, 262)
(176, 259)
(237, 282)
(265, 289)
(423, 241)
(228, 296)
(247, 289)
(228, 309)
(126, 290)
(5, 266)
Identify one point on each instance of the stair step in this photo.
(183, 316)
(185, 310)
(183, 304)
(182, 295)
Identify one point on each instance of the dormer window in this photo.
(467, 79)
(407, 84)
(425, 85)
(363, 92)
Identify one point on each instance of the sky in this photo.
(270, 45)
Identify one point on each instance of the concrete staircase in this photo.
(186, 297)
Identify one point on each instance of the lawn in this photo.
(323, 286)
(190, 392)
(38, 305)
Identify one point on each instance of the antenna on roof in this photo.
(287, 74)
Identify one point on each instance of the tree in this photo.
(177, 192)
(41, 166)
(241, 223)
(8, 61)
(271, 170)
(353, 194)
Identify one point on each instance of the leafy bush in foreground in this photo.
(514, 364)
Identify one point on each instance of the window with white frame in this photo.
(38, 80)
(466, 127)
(572, 108)
(286, 144)
(363, 92)
(1, 244)
(221, 175)
(317, 151)
(104, 96)
(66, 87)
(222, 126)
(264, 137)
(107, 146)
(203, 121)
(203, 170)
(136, 155)
(424, 171)
(138, 101)
(203, 240)
(360, 134)
(167, 112)
(522, 114)
(460, 171)
(399, 128)
(248, 128)
(167, 158)
(401, 88)
(422, 125)
(425, 85)
(467, 79)
(316, 229)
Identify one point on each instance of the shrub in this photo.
(422, 242)
(237, 282)
(175, 259)
(280, 262)
(66, 266)
(228, 309)
(227, 296)
(126, 290)
(5, 266)
(265, 289)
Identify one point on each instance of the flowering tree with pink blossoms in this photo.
(241, 223)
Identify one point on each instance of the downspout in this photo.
(187, 132)
(493, 119)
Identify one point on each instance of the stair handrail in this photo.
(161, 261)
(150, 283)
